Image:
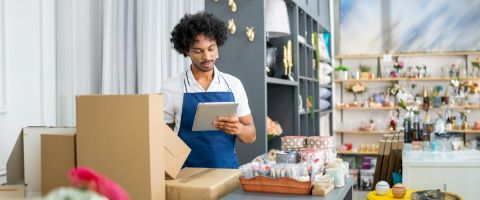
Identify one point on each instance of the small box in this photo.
(58, 158)
(202, 183)
(12, 191)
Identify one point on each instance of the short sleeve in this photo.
(243, 107)
(168, 110)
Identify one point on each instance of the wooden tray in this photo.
(279, 185)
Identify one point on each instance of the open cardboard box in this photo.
(125, 138)
(24, 163)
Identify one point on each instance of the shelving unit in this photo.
(437, 78)
(273, 96)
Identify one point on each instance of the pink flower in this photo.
(82, 177)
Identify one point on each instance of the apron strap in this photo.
(184, 84)
(226, 84)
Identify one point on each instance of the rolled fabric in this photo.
(324, 93)
(320, 142)
(293, 143)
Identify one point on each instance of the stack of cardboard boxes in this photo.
(124, 138)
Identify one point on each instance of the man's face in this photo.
(203, 53)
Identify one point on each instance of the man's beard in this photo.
(204, 69)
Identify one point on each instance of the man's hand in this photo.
(230, 125)
(242, 127)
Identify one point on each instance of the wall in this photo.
(29, 50)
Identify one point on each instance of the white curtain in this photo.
(137, 54)
(115, 47)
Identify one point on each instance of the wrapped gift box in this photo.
(320, 142)
(293, 143)
(202, 183)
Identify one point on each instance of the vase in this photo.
(472, 99)
(341, 75)
(437, 102)
(365, 75)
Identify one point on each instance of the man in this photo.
(198, 36)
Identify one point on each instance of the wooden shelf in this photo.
(367, 108)
(357, 153)
(365, 132)
(279, 81)
(457, 53)
(406, 79)
(467, 131)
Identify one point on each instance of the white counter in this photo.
(454, 171)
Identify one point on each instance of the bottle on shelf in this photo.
(426, 100)
(407, 130)
(446, 98)
(427, 128)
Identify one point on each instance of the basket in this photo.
(279, 185)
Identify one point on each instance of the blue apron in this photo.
(210, 149)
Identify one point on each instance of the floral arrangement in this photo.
(90, 185)
(472, 87)
(357, 88)
(398, 65)
(436, 90)
(273, 128)
(396, 89)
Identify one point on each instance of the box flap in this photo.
(15, 166)
(176, 153)
(12, 191)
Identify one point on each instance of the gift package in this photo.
(303, 163)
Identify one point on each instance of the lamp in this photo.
(276, 22)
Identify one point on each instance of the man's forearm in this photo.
(248, 134)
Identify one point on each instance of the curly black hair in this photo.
(185, 32)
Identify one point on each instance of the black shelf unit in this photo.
(273, 96)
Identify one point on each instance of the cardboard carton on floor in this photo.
(24, 162)
(12, 191)
(58, 158)
(203, 183)
(125, 138)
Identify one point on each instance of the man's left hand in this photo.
(231, 125)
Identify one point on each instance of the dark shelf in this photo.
(306, 113)
(278, 81)
(307, 78)
(326, 86)
(326, 112)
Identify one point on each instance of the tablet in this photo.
(207, 112)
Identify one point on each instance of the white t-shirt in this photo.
(173, 90)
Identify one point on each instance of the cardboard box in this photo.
(123, 137)
(24, 163)
(175, 152)
(58, 158)
(203, 183)
(12, 191)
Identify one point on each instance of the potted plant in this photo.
(341, 72)
(364, 71)
(472, 96)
